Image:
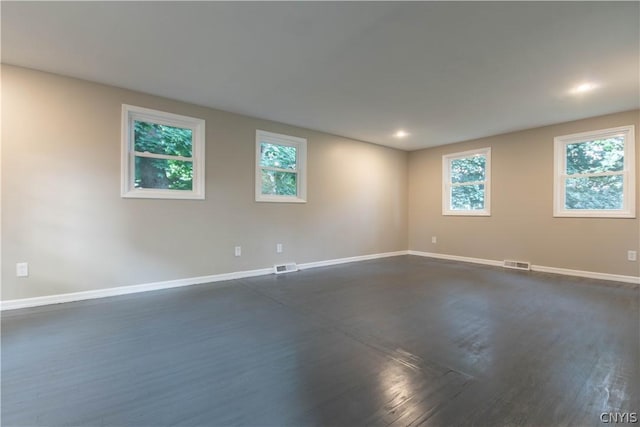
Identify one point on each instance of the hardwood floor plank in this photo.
(401, 341)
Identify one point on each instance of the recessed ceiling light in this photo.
(584, 87)
(400, 134)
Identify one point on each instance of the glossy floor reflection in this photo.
(399, 341)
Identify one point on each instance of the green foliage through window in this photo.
(467, 189)
(468, 169)
(279, 183)
(172, 174)
(277, 156)
(163, 173)
(275, 161)
(600, 192)
(603, 155)
(467, 197)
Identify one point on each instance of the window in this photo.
(466, 179)
(162, 155)
(594, 174)
(280, 168)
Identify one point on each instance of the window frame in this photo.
(628, 173)
(301, 166)
(447, 185)
(131, 113)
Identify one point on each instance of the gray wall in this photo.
(521, 225)
(62, 211)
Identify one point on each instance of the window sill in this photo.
(162, 194)
(280, 199)
(594, 214)
(466, 213)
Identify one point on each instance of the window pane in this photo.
(601, 155)
(279, 183)
(467, 197)
(468, 169)
(165, 174)
(161, 139)
(277, 156)
(602, 192)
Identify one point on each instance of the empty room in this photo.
(320, 213)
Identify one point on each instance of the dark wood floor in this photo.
(401, 341)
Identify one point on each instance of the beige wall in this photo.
(521, 225)
(62, 211)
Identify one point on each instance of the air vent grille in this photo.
(518, 265)
(285, 268)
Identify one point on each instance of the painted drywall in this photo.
(62, 211)
(63, 214)
(521, 225)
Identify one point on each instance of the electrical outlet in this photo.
(632, 255)
(238, 250)
(22, 269)
(279, 248)
(434, 239)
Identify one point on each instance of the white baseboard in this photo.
(539, 268)
(154, 286)
(350, 259)
(587, 274)
(124, 290)
(457, 258)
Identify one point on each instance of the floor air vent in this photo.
(518, 265)
(285, 268)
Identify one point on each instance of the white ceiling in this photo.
(444, 72)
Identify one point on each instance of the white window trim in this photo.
(629, 200)
(446, 183)
(131, 113)
(301, 166)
